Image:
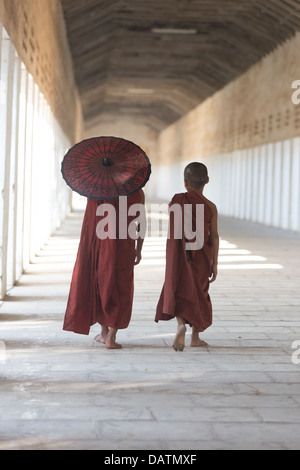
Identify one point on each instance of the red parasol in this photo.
(105, 168)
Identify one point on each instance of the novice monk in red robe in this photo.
(103, 278)
(185, 294)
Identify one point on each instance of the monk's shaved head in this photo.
(196, 175)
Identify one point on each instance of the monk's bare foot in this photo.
(179, 340)
(111, 340)
(101, 338)
(113, 345)
(198, 343)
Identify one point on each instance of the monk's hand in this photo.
(138, 257)
(214, 273)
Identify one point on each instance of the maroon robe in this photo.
(186, 289)
(103, 278)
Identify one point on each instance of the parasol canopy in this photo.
(106, 168)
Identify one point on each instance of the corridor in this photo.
(64, 391)
(209, 81)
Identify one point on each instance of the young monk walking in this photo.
(190, 270)
(103, 278)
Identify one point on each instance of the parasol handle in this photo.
(106, 162)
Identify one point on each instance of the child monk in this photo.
(103, 278)
(189, 272)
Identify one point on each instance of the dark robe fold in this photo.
(186, 288)
(102, 283)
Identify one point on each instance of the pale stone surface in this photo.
(64, 391)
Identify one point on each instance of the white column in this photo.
(255, 186)
(249, 186)
(277, 188)
(295, 186)
(20, 170)
(286, 185)
(13, 183)
(236, 184)
(261, 188)
(3, 87)
(27, 201)
(7, 87)
(243, 180)
(35, 176)
(269, 185)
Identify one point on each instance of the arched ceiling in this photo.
(154, 60)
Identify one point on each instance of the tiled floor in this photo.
(64, 391)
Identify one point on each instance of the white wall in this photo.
(33, 196)
(261, 184)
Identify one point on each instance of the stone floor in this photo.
(64, 391)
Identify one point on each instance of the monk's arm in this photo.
(139, 247)
(140, 240)
(215, 240)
